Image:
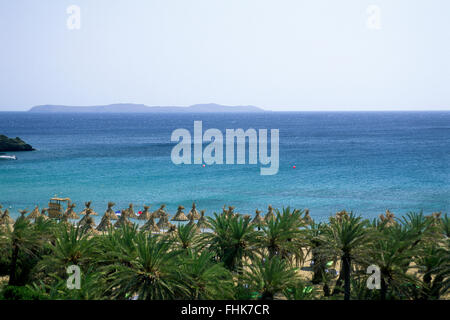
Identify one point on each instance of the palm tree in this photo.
(392, 254)
(116, 244)
(185, 237)
(206, 279)
(270, 277)
(57, 288)
(149, 272)
(282, 235)
(23, 245)
(345, 237)
(433, 260)
(320, 255)
(417, 228)
(23, 241)
(71, 247)
(232, 239)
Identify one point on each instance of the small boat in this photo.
(5, 157)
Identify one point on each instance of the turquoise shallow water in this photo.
(365, 161)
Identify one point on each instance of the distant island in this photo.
(141, 108)
(16, 144)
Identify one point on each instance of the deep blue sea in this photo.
(362, 161)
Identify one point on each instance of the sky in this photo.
(276, 54)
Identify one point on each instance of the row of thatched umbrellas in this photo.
(106, 223)
(88, 222)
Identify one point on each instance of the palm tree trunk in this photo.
(427, 285)
(13, 265)
(435, 287)
(326, 290)
(267, 296)
(338, 286)
(346, 263)
(318, 268)
(272, 252)
(383, 289)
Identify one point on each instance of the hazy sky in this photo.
(276, 54)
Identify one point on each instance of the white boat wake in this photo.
(4, 157)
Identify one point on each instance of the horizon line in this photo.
(263, 109)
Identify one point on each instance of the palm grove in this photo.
(238, 258)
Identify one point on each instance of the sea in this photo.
(365, 162)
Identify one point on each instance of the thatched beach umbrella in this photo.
(163, 222)
(193, 213)
(23, 213)
(34, 214)
(105, 224)
(110, 212)
(87, 215)
(160, 212)
(5, 219)
(89, 226)
(150, 226)
(44, 214)
(224, 209)
(191, 222)
(7, 227)
(88, 208)
(130, 212)
(123, 220)
(65, 221)
(270, 215)
(71, 214)
(258, 220)
(388, 218)
(341, 215)
(145, 215)
(436, 215)
(6, 222)
(180, 216)
(90, 222)
(231, 211)
(202, 222)
(307, 218)
(172, 228)
(435, 218)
